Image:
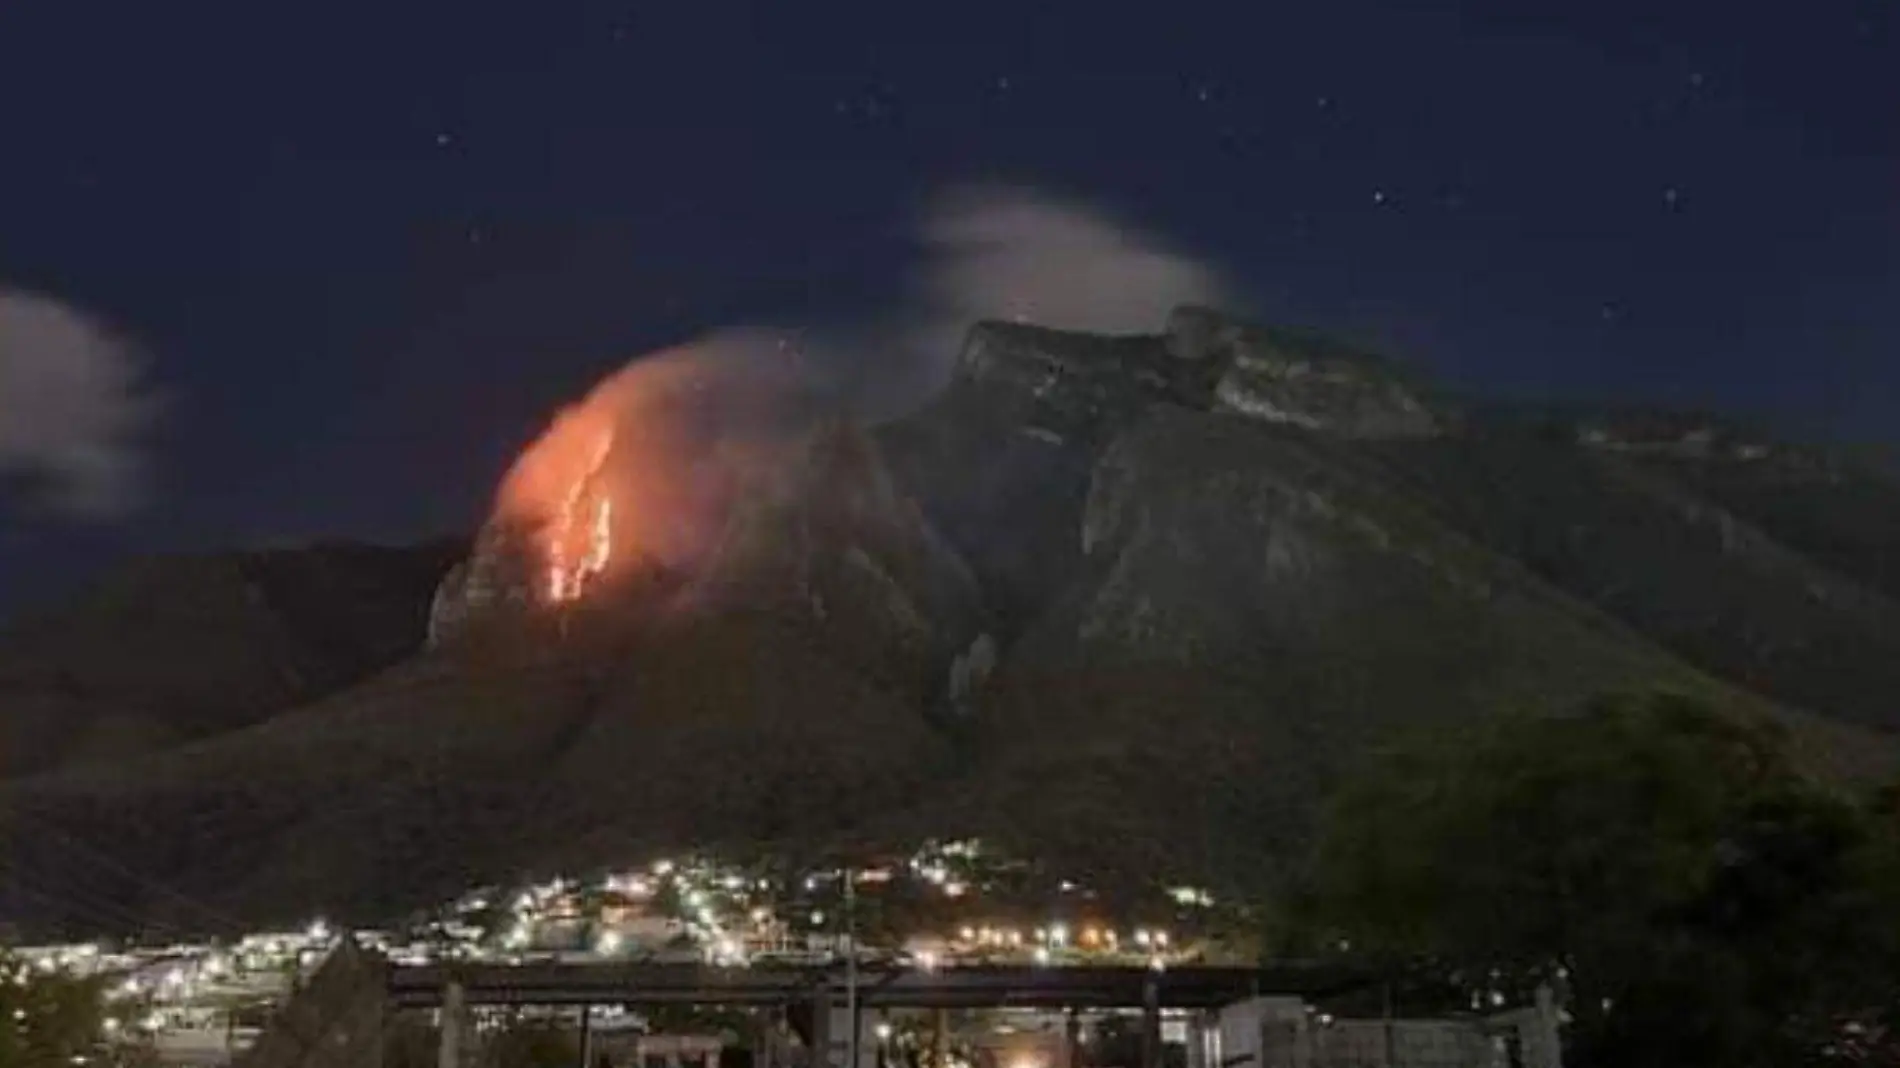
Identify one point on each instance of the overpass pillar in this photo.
(1203, 1041)
(449, 1053)
(1150, 1023)
(587, 1036)
(838, 1031)
(766, 1047)
(821, 1030)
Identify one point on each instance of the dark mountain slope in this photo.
(502, 758)
(359, 798)
(171, 648)
(1841, 513)
(1641, 544)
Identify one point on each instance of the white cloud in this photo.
(1005, 252)
(73, 406)
(1000, 252)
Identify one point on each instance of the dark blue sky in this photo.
(370, 246)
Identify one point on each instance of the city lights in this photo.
(977, 908)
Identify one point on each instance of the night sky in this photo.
(366, 249)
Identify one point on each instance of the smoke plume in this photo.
(647, 464)
(73, 405)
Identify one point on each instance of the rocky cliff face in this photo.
(1280, 377)
(1067, 386)
(827, 538)
(1081, 387)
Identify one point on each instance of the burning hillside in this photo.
(636, 477)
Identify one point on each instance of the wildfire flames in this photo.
(560, 498)
(570, 529)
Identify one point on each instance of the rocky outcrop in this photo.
(1282, 377)
(496, 580)
(1087, 387)
(1074, 386)
(969, 672)
(1684, 437)
(1196, 333)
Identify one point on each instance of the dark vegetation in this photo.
(54, 1020)
(1693, 895)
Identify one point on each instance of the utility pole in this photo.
(1386, 1011)
(1151, 1022)
(851, 962)
(587, 1035)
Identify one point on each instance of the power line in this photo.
(68, 901)
(79, 848)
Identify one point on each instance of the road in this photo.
(609, 982)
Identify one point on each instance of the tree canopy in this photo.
(1697, 899)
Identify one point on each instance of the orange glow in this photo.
(642, 470)
(568, 576)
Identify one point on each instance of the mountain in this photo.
(1131, 604)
